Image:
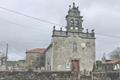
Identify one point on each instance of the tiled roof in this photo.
(36, 50)
(112, 62)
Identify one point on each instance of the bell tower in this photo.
(74, 20)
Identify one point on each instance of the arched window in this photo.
(72, 22)
(76, 28)
(71, 27)
(77, 22)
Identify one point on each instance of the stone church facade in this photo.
(72, 49)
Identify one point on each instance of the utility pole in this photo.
(6, 55)
(105, 71)
(119, 73)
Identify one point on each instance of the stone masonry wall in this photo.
(63, 52)
(39, 76)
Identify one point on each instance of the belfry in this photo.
(74, 20)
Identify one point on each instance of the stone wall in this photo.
(66, 49)
(29, 75)
(106, 75)
(48, 57)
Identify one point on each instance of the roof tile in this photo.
(36, 50)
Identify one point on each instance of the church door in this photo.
(75, 65)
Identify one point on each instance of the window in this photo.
(67, 65)
(77, 22)
(71, 28)
(74, 47)
(72, 22)
(76, 28)
(88, 44)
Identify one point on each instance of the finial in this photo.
(53, 27)
(92, 33)
(92, 30)
(69, 6)
(66, 32)
(73, 4)
(78, 7)
(87, 30)
(61, 29)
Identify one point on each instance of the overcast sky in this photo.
(25, 33)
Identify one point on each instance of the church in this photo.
(71, 49)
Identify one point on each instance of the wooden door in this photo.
(75, 65)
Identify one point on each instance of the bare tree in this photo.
(115, 54)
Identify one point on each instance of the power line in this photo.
(23, 26)
(45, 21)
(19, 13)
(20, 25)
(106, 35)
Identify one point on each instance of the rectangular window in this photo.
(74, 47)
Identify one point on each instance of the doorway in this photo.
(75, 65)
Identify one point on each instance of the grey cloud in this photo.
(101, 15)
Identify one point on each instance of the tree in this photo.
(98, 63)
(115, 54)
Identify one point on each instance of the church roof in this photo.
(112, 62)
(36, 50)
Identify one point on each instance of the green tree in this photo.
(98, 63)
